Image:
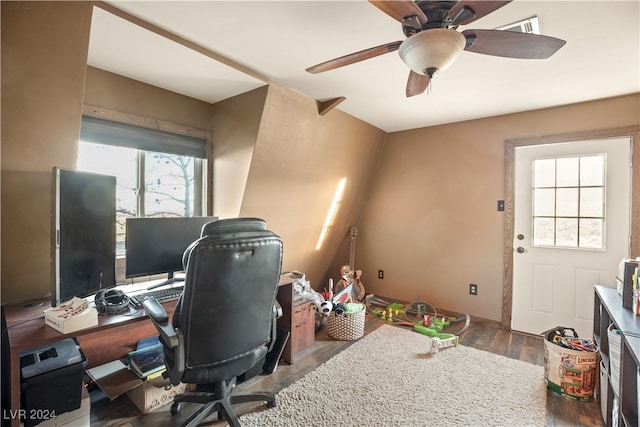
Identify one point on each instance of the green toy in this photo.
(423, 318)
(433, 333)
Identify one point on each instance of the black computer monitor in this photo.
(156, 245)
(83, 234)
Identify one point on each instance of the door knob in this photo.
(520, 250)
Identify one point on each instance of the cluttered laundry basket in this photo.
(570, 364)
(346, 326)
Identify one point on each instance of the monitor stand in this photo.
(170, 279)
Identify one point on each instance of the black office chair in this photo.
(225, 321)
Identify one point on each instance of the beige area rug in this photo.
(388, 378)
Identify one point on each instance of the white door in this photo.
(572, 225)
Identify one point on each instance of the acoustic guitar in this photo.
(351, 276)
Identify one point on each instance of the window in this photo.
(158, 174)
(568, 202)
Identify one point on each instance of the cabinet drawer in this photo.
(302, 311)
(302, 334)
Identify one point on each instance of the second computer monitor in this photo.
(156, 245)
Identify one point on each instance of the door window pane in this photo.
(569, 201)
(592, 170)
(591, 202)
(543, 231)
(544, 173)
(544, 202)
(591, 233)
(567, 172)
(567, 232)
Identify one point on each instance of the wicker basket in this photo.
(346, 326)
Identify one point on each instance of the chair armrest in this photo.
(156, 311)
(160, 319)
(277, 313)
(277, 310)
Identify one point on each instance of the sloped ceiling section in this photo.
(278, 40)
(125, 48)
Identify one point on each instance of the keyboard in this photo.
(162, 295)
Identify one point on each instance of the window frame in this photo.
(204, 168)
(92, 111)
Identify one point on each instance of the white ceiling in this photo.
(278, 40)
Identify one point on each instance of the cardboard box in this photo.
(148, 398)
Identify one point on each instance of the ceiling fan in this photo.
(433, 42)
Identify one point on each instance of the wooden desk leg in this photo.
(14, 412)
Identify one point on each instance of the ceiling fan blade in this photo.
(417, 84)
(511, 44)
(399, 10)
(466, 12)
(354, 57)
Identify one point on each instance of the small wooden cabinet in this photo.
(619, 408)
(299, 321)
(303, 328)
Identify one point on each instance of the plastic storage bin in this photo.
(615, 350)
(603, 390)
(51, 380)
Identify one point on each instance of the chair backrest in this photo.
(232, 275)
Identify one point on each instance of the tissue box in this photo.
(148, 398)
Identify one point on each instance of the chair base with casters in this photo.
(220, 399)
(219, 396)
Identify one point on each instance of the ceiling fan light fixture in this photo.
(436, 48)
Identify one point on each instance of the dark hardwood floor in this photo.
(482, 334)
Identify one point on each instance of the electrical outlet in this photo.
(380, 274)
(473, 289)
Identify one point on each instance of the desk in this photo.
(113, 337)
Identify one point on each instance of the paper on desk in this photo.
(99, 372)
(114, 378)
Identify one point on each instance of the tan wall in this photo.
(298, 160)
(113, 92)
(432, 223)
(44, 56)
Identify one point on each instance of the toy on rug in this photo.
(423, 318)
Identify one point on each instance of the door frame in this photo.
(509, 183)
